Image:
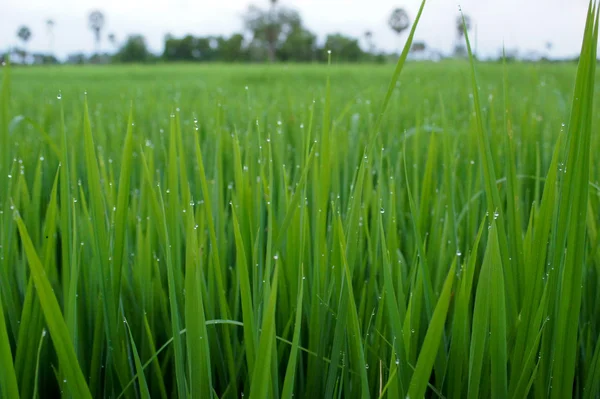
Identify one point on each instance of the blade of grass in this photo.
(260, 385)
(571, 241)
(8, 379)
(56, 324)
(433, 338)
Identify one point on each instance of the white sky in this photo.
(523, 24)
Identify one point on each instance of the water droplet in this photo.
(367, 366)
(59, 95)
(42, 158)
(382, 210)
(496, 214)
(276, 257)
(458, 253)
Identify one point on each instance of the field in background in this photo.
(224, 227)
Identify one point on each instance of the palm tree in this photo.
(272, 31)
(463, 25)
(549, 46)
(369, 39)
(112, 39)
(460, 26)
(24, 33)
(96, 23)
(50, 28)
(399, 21)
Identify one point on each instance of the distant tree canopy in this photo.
(300, 45)
(134, 50)
(270, 33)
(344, 48)
(418, 46)
(275, 34)
(270, 28)
(210, 48)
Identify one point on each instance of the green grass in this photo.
(301, 231)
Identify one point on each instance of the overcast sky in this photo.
(526, 25)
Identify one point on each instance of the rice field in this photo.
(277, 231)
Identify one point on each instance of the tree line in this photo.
(273, 33)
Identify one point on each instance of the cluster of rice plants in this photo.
(301, 231)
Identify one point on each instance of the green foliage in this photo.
(299, 46)
(301, 231)
(134, 50)
(344, 48)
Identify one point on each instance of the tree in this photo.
(44, 59)
(369, 40)
(180, 49)
(112, 39)
(417, 50)
(50, 29)
(399, 21)
(299, 46)
(205, 48)
(270, 29)
(96, 23)
(134, 50)
(76, 58)
(344, 48)
(549, 47)
(232, 49)
(418, 47)
(463, 25)
(24, 33)
(192, 48)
